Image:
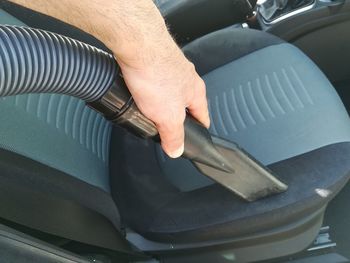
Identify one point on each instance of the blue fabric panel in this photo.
(275, 103)
(7, 19)
(58, 131)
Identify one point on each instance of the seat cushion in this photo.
(274, 102)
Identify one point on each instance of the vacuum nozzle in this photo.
(231, 167)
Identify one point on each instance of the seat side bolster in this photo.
(221, 47)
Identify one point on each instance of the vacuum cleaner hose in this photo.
(37, 61)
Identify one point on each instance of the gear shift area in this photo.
(272, 10)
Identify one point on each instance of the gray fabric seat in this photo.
(267, 96)
(54, 167)
(274, 102)
(263, 93)
(58, 131)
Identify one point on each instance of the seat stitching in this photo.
(59, 111)
(301, 84)
(244, 125)
(79, 106)
(99, 142)
(280, 87)
(89, 128)
(228, 112)
(40, 102)
(81, 126)
(106, 139)
(94, 138)
(28, 98)
(259, 89)
(66, 122)
(249, 114)
(49, 108)
(292, 88)
(217, 106)
(267, 79)
(213, 125)
(258, 109)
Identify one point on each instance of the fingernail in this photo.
(177, 153)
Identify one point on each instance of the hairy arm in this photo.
(162, 81)
(124, 26)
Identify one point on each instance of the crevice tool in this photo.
(228, 165)
(220, 160)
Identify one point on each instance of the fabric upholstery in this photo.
(298, 108)
(44, 184)
(275, 103)
(7, 19)
(160, 211)
(223, 46)
(58, 131)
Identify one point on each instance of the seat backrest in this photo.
(56, 130)
(54, 167)
(191, 19)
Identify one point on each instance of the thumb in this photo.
(172, 137)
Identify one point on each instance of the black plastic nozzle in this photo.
(199, 146)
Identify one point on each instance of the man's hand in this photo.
(162, 81)
(163, 90)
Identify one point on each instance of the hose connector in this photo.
(118, 106)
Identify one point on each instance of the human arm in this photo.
(162, 81)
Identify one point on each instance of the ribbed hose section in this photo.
(37, 61)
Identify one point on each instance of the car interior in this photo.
(75, 188)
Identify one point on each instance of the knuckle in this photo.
(201, 88)
(202, 83)
(171, 118)
(191, 66)
(171, 126)
(202, 91)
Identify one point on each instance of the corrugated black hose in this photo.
(37, 61)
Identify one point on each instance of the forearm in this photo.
(132, 29)
(163, 83)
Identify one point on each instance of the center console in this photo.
(320, 28)
(274, 11)
(290, 18)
